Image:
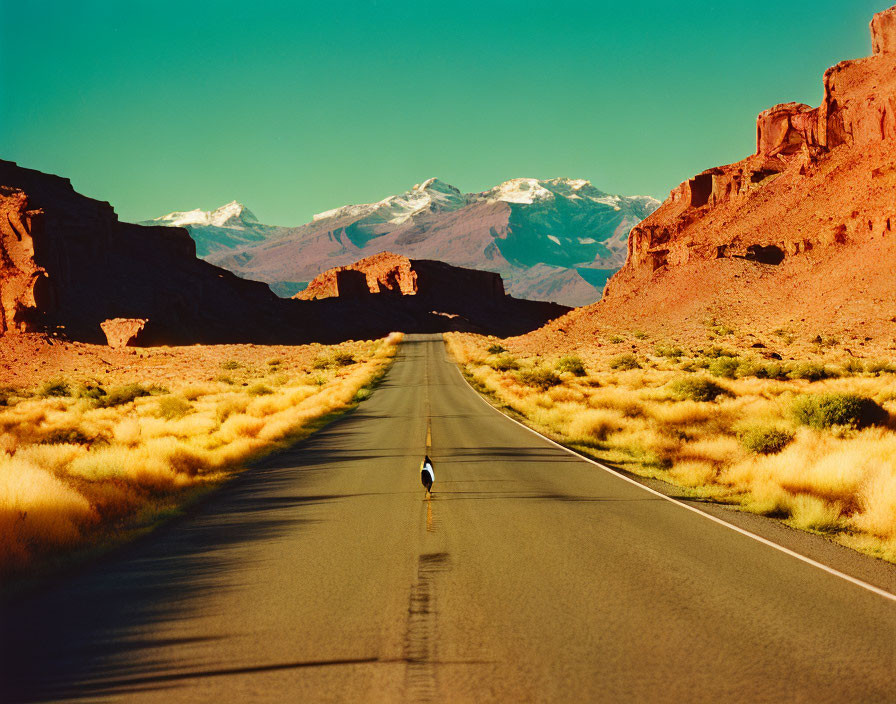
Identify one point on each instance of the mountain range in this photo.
(552, 240)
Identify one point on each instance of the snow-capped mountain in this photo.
(230, 226)
(550, 239)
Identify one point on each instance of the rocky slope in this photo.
(69, 266)
(802, 233)
(557, 239)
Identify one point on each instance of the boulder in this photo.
(123, 332)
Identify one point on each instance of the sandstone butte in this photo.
(802, 233)
(394, 274)
(69, 267)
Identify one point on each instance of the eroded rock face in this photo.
(769, 206)
(123, 332)
(382, 273)
(24, 282)
(387, 273)
(883, 32)
(67, 264)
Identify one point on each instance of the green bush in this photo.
(854, 366)
(275, 362)
(572, 364)
(343, 359)
(810, 371)
(496, 349)
(670, 352)
(539, 377)
(172, 407)
(363, 394)
(878, 368)
(121, 395)
(320, 363)
(259, 390)
(54, 387)
(91, 391)
(725, 367)
(697, 388)
(770, 371)
(615, 339)
(765, 440)
(624, 362)
(231, 364)
(827, 410)
(638, 335)
(67, 436)
(716, 352)
(504, 363)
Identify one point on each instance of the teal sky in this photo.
(297, 107)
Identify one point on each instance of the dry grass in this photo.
(80, 470)
(736, 438)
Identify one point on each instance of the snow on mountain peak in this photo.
(234, 214)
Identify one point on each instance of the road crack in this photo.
(421, 642)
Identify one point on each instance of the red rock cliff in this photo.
(820, 177)
(800, 235)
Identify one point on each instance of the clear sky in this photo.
(296, 107)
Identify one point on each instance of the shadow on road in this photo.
(86, 635)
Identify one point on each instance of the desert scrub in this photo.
(625, 362)
(120, 395)
(496, 349)
(230, 365)
(55, 387)
(76, 473)
(765, 440)
(540, 378)
(503, 363)
(343, 359)
(696, 388)
(571, 364)
(725, 367)
(746, 447)
(172, 407)
(810, 371)
(822, 411)
(668, 351)
(259, 390)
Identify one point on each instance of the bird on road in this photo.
(427, 475)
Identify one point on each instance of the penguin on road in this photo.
(427, 475)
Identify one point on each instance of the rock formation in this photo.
(471, 299)
(382, 273)
(802, 231)
(123, 332)
(68, 266)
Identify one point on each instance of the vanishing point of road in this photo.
(324, 575)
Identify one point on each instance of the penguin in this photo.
(427, 475)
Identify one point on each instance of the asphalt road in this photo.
(325, 575)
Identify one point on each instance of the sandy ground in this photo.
(29, 360)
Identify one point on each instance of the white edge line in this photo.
(759, 538)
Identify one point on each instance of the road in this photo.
(324, 574)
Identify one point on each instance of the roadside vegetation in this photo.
(84, 465)
(811, 443)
